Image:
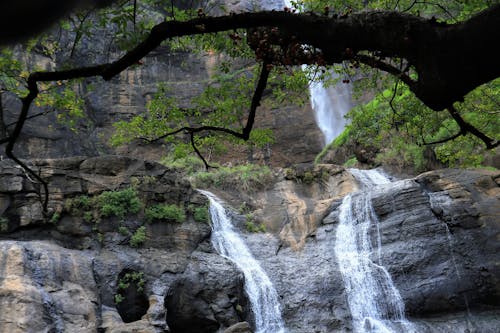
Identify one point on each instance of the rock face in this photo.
(294, 205)
(64, 274)
(439, 237)
(206, 297)
(439, 242)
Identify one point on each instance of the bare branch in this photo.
(193, 144)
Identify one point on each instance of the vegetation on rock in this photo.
(160, 212)
(138, 237)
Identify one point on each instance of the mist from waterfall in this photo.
(374, 301)
(261, 293)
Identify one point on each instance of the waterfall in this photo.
(261, 293)
(330, 105)
(374, 301)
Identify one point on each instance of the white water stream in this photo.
(261, 293)
(374, 301)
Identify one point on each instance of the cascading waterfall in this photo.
(261, 293)
(374, 301)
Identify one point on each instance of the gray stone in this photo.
(208, 296)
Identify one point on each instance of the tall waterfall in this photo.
(330, 105)
(374, 301)
(261, 293)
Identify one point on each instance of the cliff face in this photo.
(185, 75)
(62, 273)
(438, 241)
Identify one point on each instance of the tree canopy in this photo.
(435, 52)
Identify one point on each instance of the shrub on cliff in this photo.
(159, 212)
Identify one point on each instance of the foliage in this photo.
(337, 142)
(252, 226)
(200, 214)
(402, 132)
(308, 177)
(449, 11)
(248, 177)
(119, 298)
(171, 213)
(188, 163)
(4, 224)
(88, 216)
(55, 218)
(226, 98)
(119, 203)
(224, 103)
(123, 230)
(350, 163)
(138, 237)
(133, 277)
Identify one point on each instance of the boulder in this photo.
(208, 296)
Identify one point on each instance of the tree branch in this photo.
(245, 133)
(193, 144)
(450, 138)
(466, 127)
(257, 97)
(375, 63)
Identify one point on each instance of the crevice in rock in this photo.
(130, 299)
